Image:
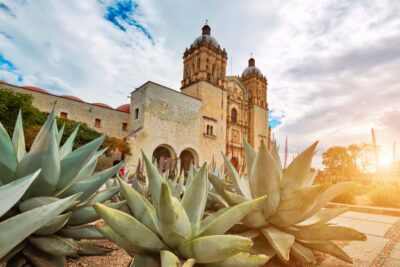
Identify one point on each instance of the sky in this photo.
(333, 66)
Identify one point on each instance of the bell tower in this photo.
(204, 60)
(256, 84)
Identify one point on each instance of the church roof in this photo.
(71, 97)
(101, 105)
(251, 68)
(36, 89)
(124, 108)
(206, 37)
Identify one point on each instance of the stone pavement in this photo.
(382, 248)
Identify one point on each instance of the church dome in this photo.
(36, 89)
(124, 108)
(206, 37)
(101, 105)
(71, 97)
(251, 68)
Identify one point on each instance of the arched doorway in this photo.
(235, 163)
(187, 157)
(165, 158)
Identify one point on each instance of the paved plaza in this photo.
(382, 247)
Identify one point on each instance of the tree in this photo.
(12, 102)
(337, 161)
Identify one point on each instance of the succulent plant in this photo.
(172, 230)
(63, 192)
(292, 221)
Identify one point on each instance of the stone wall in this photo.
(111, 119)
(166, 118)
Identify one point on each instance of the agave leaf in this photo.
(86, 215)
(18, 138)
(217, 184)
(55, 245)
(208, 249)
(195, 198)
(297, 173)
(211, 217)
(329, 248)
(86, 231)
(189, 263)
(321, 217)
(242, 185)
(154, 179)
(41, 136)
(68, 145)
(139, 206)
(265, 179)
(231, 216)
(100, 196)
(190, 174)
(133, 231)
(42, 259)
(12, 192)
(7, 258)
(118, 239)
(173, 222)
(262, 246)
(293, 206)
(61, 134)
(216, 200)
(303, 254)
(310, 179)
(280, 241)
(17, 228)
(72, 164)
(90, 185)
(168, 259)
(328, 232)
(8, 158)
(172, 188)
(88, 248)
(54, 225)
(45, 157)
(250, 155)
(242, 259)
(275, 155)
(90, 166)
(36, 202)
(331, 192)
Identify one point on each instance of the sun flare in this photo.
(385, 160)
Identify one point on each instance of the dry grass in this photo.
(385, 195)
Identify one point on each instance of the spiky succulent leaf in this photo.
(68, 145)
(173, 223)
(55, 245)
(155, 180)
(280, 241)
(133, 231)
(42, 259)
(8, 158)
(329, 248)
(208, 249)
(87, 231)
(139, 206)
(303, 254)
(169, 259)
(298, 170)
(241, 184)
(54, 225)
(195, 198)
(19, 227)
(11, 193)
(120, 240)
(18, 138)
(265, 179)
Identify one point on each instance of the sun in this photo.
(385, 160)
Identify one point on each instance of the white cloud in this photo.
(332, 65)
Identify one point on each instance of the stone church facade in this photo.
(210, 114)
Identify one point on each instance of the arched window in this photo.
(233, 115)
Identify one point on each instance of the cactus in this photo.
(172, 231)
(292, 222)
(57, 202)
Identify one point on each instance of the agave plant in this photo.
(292, 222)
(172, 231)
(65, 174)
